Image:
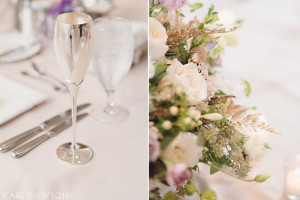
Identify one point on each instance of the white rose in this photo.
(157, 40)
(183, 149)
(188, 77)
(255, 148)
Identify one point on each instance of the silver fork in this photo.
(55, 87)
(42, 72)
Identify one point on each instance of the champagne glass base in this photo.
(119, 116)
(83, 154)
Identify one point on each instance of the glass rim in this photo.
(87, 18)
(287, 160)
(128, 24)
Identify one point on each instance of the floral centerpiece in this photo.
(192, 120)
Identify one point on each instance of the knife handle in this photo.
(22, 150)
(19, 139)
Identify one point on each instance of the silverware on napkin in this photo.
(24, 149)
(21, 138)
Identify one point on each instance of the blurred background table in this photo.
(119, 168)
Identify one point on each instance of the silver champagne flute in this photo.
(73, 46)
(112, 61)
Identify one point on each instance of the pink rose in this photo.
(154, 146)
(178, 174)
(172, 4)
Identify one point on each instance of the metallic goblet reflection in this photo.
(73, 46)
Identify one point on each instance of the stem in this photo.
(74, 93)
(110, 108)
(232, 175)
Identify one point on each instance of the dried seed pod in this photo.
(198, 54)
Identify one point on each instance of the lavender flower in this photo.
(178, 174)
(210, 46)
(154, 146)
(172, 4)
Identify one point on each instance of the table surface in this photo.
(119, 168)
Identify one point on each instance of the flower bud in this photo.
(261, 178)
(212, 116)
(187, 120)
(173, 110)
(167, 125)
(199, 123)
(197, 115)
(192, 113)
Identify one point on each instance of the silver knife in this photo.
(22, 150)
(21, 138)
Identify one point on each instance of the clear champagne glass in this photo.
(73, 46)
(112, 60)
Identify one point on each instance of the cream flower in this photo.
(157, 40)
(188, 77)
(183, 149)
(255, 148)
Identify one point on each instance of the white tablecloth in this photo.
(119, 168)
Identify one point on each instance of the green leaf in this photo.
(154, 193)
(160, 72)
(247, 89)
(183, 54)
(220, 92)
(168, 136)
(218, 50)
(215, 167)
(209, 195)
(190, 188)
(195, 6)
(211, 9)
(167, 25)
(170, 196)
(201, 26)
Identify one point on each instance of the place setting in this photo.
(106, 47)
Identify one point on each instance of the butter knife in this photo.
(24, 149)
(21, 138)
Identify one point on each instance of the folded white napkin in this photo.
(16, 98)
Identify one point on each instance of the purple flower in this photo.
(172, 4)
(154, 146)
(178, 174)
(209, 46)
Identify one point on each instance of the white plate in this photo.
(16, 98)
(13, 40)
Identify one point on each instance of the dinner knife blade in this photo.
(21, 138)
(24, 149)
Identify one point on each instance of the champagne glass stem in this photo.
(110, 106)
(74, 93)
